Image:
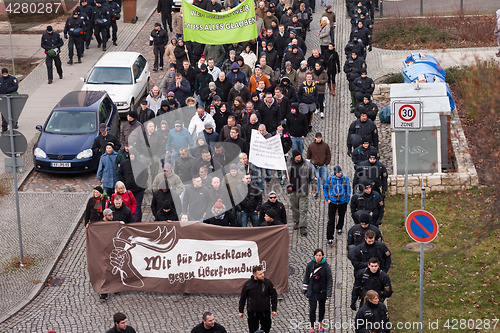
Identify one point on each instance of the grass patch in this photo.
(434, 32)
(461, 274)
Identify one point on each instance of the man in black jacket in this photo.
(262, 301)
(120, 211)
(208, 325)
(52, 43)
(164, 9)
(249, 201)
(371, 278)
(100, 142)
(274, 204)
(367, 201)
(157, 41)
(297, 126)
(371, 248)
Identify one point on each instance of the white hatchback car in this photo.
(123, 75)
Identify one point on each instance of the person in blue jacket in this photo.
(317, 287)
(106, 173)
(337, 191)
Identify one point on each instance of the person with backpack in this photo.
(337, 191)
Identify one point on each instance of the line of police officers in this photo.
(97, 16)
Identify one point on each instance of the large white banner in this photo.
(266, 153)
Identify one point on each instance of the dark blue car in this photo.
(65, 142)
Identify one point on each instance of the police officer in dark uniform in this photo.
(371, 248)
(375, 172)
(362, 85)
(85, 8)
(356, 235)
(86, 22)
(75, 27)
(101, 23)
(363, 152)
(367, 201)
(353, 67)
(8, 85)
(370, 108)
(114, 12)
(52, 43)
(157, 41)
(373, 316)
(371, 278)
(362, 129)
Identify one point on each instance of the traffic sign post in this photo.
(422, 227)
(14, 144)
(406, 116)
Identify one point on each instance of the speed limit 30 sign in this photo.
(406, 115)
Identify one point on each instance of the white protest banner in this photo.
(266, 153)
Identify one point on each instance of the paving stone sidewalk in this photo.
(68, 304)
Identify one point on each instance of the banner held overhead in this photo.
(233, 26)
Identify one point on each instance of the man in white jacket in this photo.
(197, 123)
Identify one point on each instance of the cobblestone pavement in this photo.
(68, 303)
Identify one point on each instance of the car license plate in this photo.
(60, 165)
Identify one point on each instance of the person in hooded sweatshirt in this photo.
(317, 287)
(221, 216)
(373, 314)
(236, 73)
(166, 213)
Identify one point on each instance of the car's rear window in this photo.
(110, 75)
(71, 122)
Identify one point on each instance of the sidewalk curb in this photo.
(72, 230)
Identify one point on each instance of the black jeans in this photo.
(57, 62)
(167, 18)
(312, 311)
(332, 211)
(262, 317)
(158, 52)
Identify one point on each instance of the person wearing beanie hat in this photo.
(301, 176)
(167, 212)
(95, 206)
(52, 43)
(128, 127)
(145, 114)
(337, 192)
(158, 40)
(319, 154)
(221, 216)
(271, 218)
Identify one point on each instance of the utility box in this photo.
(424, 148)
(436, 112)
